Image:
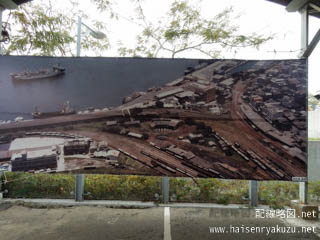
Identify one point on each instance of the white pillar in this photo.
(79, 37)
(1, 11)
(303, 186)
(79, 188)
(304, 28)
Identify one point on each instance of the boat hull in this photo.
(51, 114)
(38, 75)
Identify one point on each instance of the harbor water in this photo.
(88, 82)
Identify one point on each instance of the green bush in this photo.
(209, 190)
(314, 191)
(27, 185)
(278, 194)
(114, 187)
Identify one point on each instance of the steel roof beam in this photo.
(312, 45)
(296, 5)
(315, 7)
(8, 4)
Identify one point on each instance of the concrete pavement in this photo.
(101, 222)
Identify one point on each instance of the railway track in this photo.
(274, 158)
(172, 165)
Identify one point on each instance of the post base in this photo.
(305, 211)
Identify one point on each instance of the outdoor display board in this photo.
(232, 119)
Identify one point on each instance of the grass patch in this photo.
(313, 139)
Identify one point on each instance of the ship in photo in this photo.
(66, 110)
(42, 74)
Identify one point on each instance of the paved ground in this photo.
(85, 222)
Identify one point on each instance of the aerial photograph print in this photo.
(231, 119)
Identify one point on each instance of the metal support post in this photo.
(1, 196)
(312, 45)
(1, 174)
(253, 193)
(1, 51)
(303, 186)
(165, 189)
(79, 177)
(79, 191)
(79, 37)
(79, 188)
(304, 28)
(303, 192)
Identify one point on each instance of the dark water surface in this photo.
(88, 82)
(4, 146)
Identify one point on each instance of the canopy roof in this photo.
(295, 5)
(12, 4)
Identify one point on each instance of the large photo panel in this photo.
(231, 119)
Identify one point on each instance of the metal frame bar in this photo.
(308, 51)
(165, 190)
(79, 36)
(315, 7)
(8, 4)
(253, 193)
(304, 37)
(79, 178)
(1, 173)
(1, 11)
(79, 188)
(2, 191)
(296, 5)
(91, 30)
(303, 186)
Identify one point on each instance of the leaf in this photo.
(39, 31)
(186, 29)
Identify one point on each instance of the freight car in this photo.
(155, 163)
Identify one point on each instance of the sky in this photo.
(258, 16)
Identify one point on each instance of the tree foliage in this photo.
(185, 29)
(312, 100)
(39, 28)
